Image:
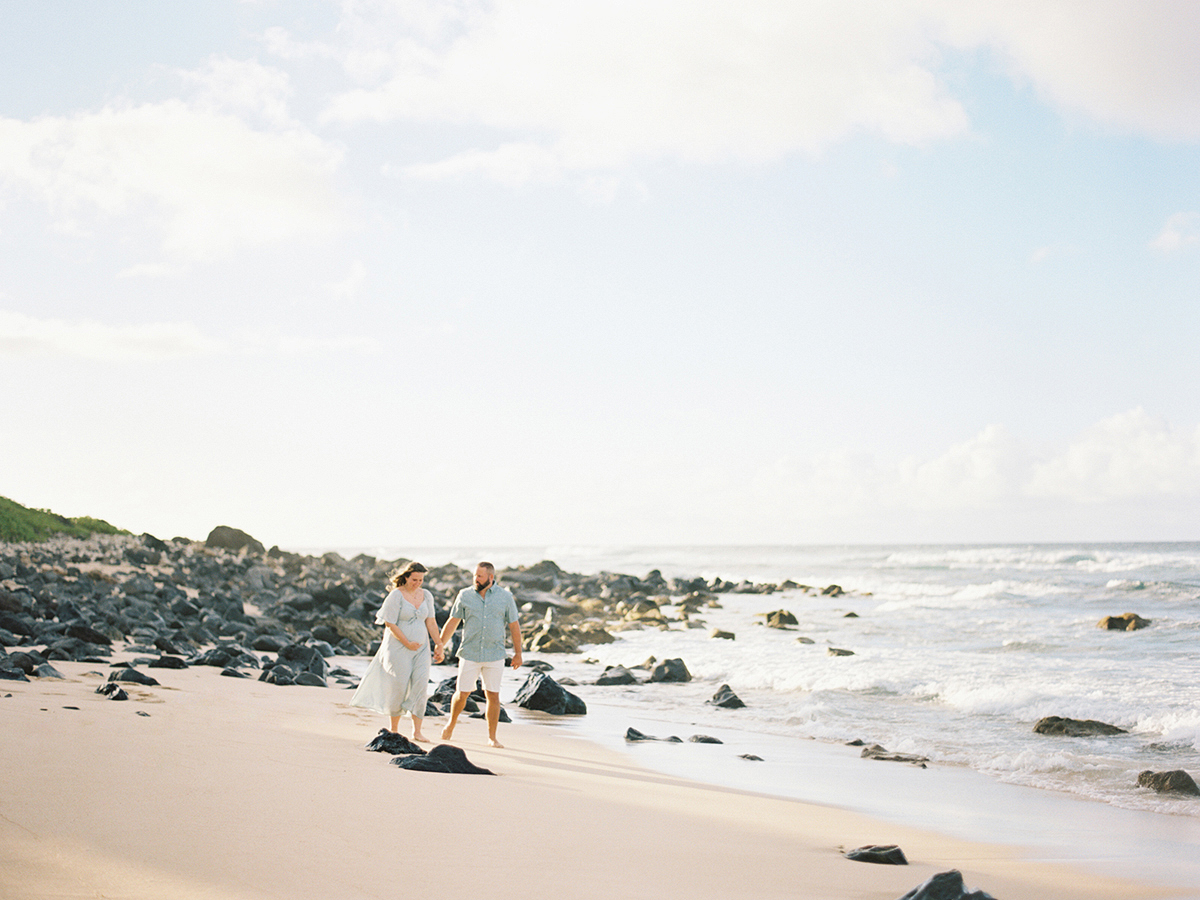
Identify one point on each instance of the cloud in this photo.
(1181, 230)
(22, 336)
(1125, 63)
(197, 172)
(600, 84)
(1131, 455)
(1128, 457)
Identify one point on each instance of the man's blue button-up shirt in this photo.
(484, 620)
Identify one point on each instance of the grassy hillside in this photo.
(19, 523)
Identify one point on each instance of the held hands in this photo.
(438, 652)
(516, 659)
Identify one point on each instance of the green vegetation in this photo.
(19, 523)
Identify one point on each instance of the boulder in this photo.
(225, 538)
(883, 854)
(87, 634)
(395, 744)
(1075, 727)
(310, 679)
(780, 618)
(616, 675)
(670, 670)
(1124, 622)
(833, 590)
(718, 634)
(633, 735)
(945, 886)
(541, 692)
(726, 698)
(877, 752)
(838, 651)
(704, 739)
(113, 691)
(442, 758)
(167, 662)
(8, 673)
(133, 676)
(45, 670)
(1175, 782)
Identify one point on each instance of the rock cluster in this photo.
(1075, 727)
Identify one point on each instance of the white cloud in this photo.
(22, 335)
(1180, 230)
(597, 84)
(196, 172)
(604, 83)
(1131, 455)
(1127, 63)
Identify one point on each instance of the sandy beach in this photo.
(215, 787)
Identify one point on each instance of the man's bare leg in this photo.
(456, 706)
(493, 717)
(395, 729)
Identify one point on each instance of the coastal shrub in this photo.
(19, 523)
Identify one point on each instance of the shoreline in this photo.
(233, 788)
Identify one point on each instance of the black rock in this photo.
(780, 618)
(45, 670)
(1175, 782)
(1075, 727)
(339, 595)
(877, 752)
(543, 693)
(167, 662)
(504, 717)
(704, 739)
(616, 675)
(133, 676)
(395, 744)
(750, 756)
(839, 651)
(632, 734)
(726, 699)
(225, 538)
(945, 886)
(233, 673)
(884, 854)
(88, 634)
(10, 674)
(310, 679)
(270, 643)
(670, 670)
(442, 758)
(278, 674)
(113, 691)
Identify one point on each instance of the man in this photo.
(484, 611)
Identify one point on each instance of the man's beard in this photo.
(481, 587)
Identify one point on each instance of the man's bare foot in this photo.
(447, 733)
(492, 742)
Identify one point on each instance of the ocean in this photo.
(957, 652)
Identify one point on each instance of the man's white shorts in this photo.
(490, 672)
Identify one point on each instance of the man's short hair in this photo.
(488, 566)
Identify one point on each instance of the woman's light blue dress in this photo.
(398, 679)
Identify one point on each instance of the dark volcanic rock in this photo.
(877, 752)
(88, 634)
(1075, 727)
(8, 673)
(225, 538)
(113, 691)
(726, 698)
(395, 744)
(45, 670)
(780, 618)
(838, 651)
(616, 675)
(133, 676)
(541, 692)
(633, 735)
(233, 673)
(1174, 782)
(167, 662)
(670, 670)
(310, 679)
(1124, 622)
(704, 739)
(884, 854)
(442, 758)
(945, 886)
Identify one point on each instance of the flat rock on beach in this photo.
(235, 789)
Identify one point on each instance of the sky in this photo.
(523, 272)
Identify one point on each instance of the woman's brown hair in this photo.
(399, 579)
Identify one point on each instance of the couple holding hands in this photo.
(398, 677)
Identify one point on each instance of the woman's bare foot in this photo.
(492, 742)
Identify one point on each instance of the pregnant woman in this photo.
(398, 677)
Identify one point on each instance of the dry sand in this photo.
(232, 788)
